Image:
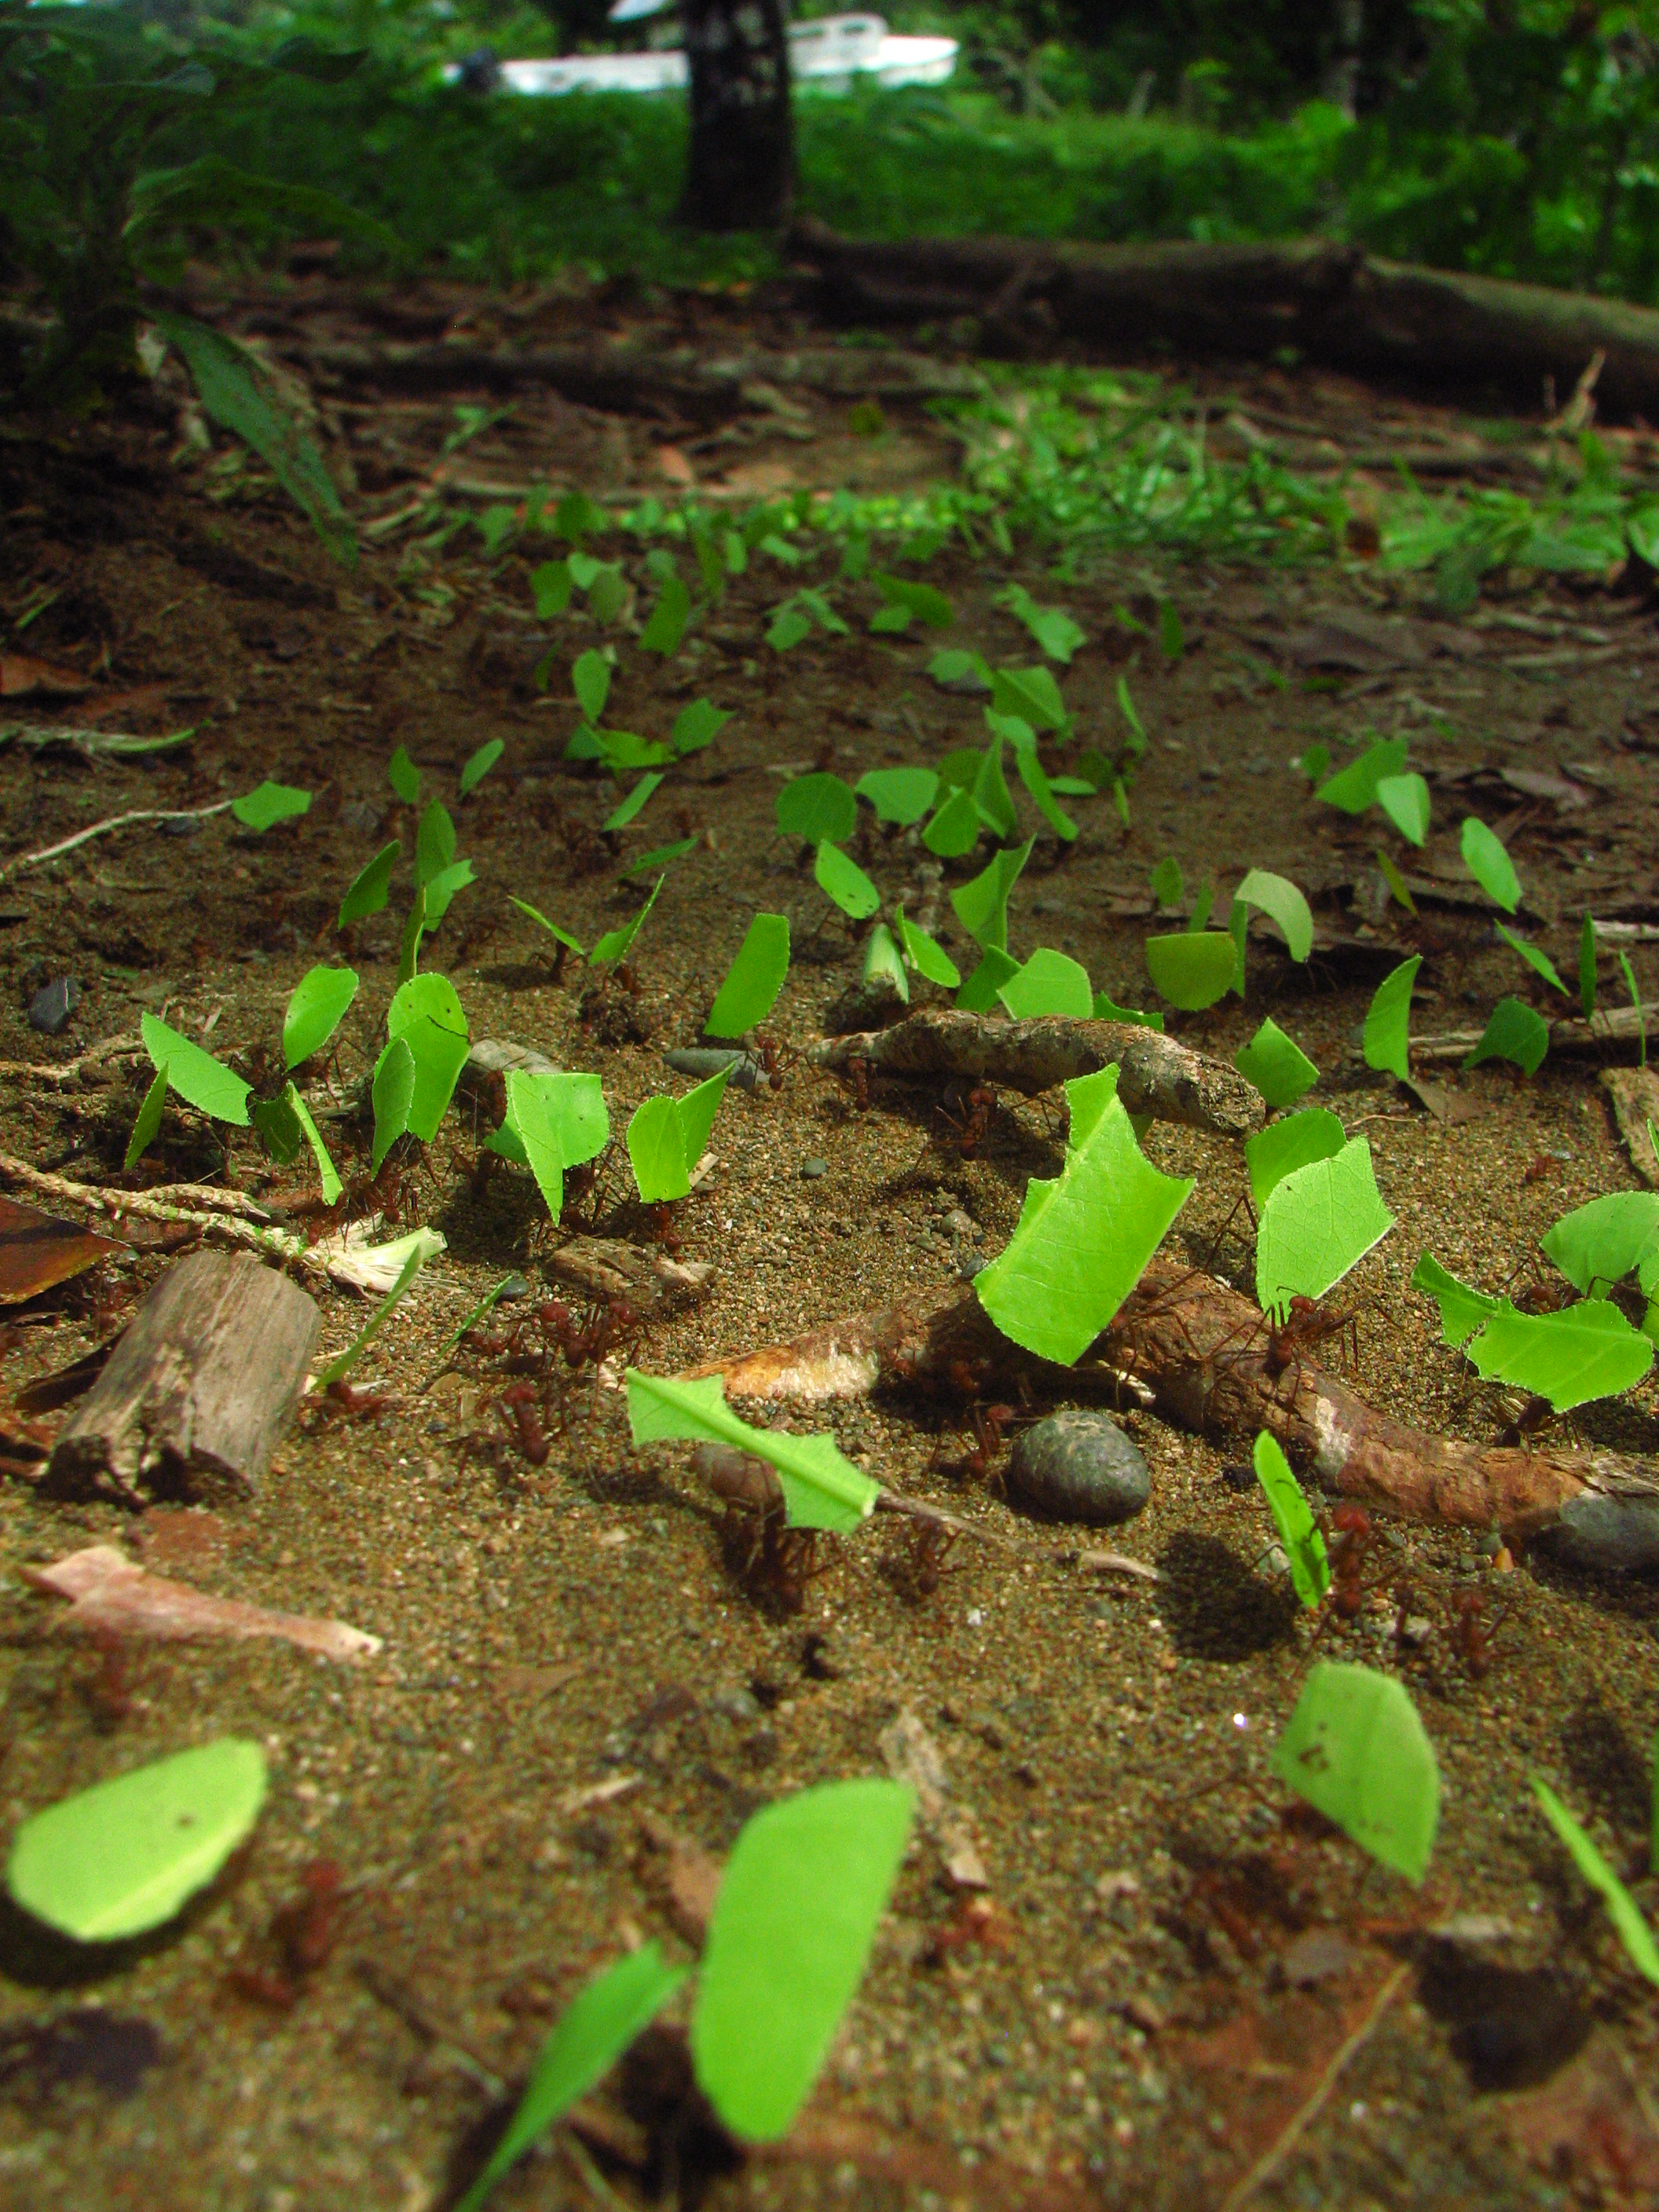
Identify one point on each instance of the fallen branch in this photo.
(66, 1071)
(142, 1206)
(1202, 1350)
(1607, 1026)
(1157, 1075)
(102, 829)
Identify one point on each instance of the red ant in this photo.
(1306, 1324)
(1349, 1537)
(776, 1557)
(931, 1544)
(519, 1401)
(977, 1921)
(662, 1217)
(975, 1125)
(303, 1933)
(857, 1074)
(1471, 1638)
(986, 1424)
(356, 1403)
(771, 1058)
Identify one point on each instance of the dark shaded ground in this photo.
(571, 1667)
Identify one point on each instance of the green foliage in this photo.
(479, 764)
(696, 725)
(1299, 1532)
(881, 957)
(1192, 969)
(1405, 800)
(953, 667)
(927, 957)
(404, 777)
(147, 1122)
(1622, 1908)
(1513, 1032)
(1280, 898)
(1030, 695)
(621, 815)
(1355, 788)
(1049, 983)
(978, 995)
(1485, 858)
(904, 601)
(1386, 1039)
(1293, 1142)
(1597, 1245)
(268, 804)
(372, 887)
(392, 1093)
(122, 1856)
(982, 905)
(1083, 1240)
(753, 979)
(844, 884)
(788, 1941)
(412, 1253)
(816, 808)
(616, 944)
(589, 679)
(669, 617)
(666, 1137)
(1535, 956)
(1032, 775)
(1052, 627)
(426, 1014)
(956, 827)
(1278, 1066)
(1590, 1350)
(1168, 888)
(900, 795)
(1356, 1750)
(1318, 1221)
(821, 1488)
(315, 1010)
(199, 1078)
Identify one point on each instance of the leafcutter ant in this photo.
(973, 1124)
(302, 1935)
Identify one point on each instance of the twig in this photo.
(206, 1197)
(65, 1071)
(111, 821)
(1277, 2152)
(275, 1244)
(1608, 1024)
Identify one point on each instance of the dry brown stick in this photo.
(1157, 1075)
(275, 1244)
(1204, 1351)
(1608, 1025)
(65, 1071)
(102, 829)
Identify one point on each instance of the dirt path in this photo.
(573, 1675)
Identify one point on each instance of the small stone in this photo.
(1489, 1545)
(811, 1170)
(1318, 1954)
(1079, 1466)
(52, 1004)
(960, 1222)
(358, 816)
(516, 1286)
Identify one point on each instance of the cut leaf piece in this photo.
(268, 804)
(1033, 695)
(1405, 800)
(1622, 1909)
(1485, 858)
(620, 817)
(408, 1255)
(1535, 956)
(1590, 1350)
(1317, 1223)
(982, 905)
(845, 883)
(434, 844)
(372, 887)
(1108, 1010)
(954, 667)
(427, 1014)
(616, 944)
(1277, 1065)
(1462, 1310)
(1354, 788)
(900, 795)
(404, 777)
(1192, 969)
(591, 2035)
(147, 1122)
(820, 1489)
(1032, 776)
(560, 936)
(589, 679)
(1597, 1245)
(1284, 1146)
(200, 1080)
(1168, 886)
(328, 1173)
(479, 764)
(1513, 1032)
(817, 808)
(956, 828)
(666, 627)
(123, 1857)
(1279, 899)
(928, 958)
(1299, 1532)
(753, 979)
(1386, 1042)
(1052, 627)
(1083, 1239)
(666, 1137)
(788, 1942)
(1356, 1750)
(279, 1129)
(905, 598)
(978, 995)
(315, 1010)
(391, 1095)
(697, 726)
(1049, 983)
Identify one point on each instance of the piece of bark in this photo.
(203, 1383)
(1634, 1094)
(1156, 1076)
(604, 1269)
(1202, 1349)
(109, 1593)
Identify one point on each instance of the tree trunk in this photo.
(742, 170)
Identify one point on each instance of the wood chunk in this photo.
(201, 1385)
(1634, 1094)
(603, 1267)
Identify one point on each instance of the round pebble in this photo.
(1077, 1465)
(814, 1169)
(52, 1004)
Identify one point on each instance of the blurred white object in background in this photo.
(826, 54)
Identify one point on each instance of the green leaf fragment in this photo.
(328, 1174)
(1462, 1310)
(789, 627)
(1597, 1245)
(1590, 1350)
(589, 679)
(199, 1078)
(990, 792)
(1299, 1532)
(1284, 1146)
(881, 957)
(908, 599)
(1353, 788)
(404, 777)
(1032, 696)
(616, 944)
(978, 995)
(278, 1127)
(315, 1010)
(817, 808)
(1278, 897)
(1622, 1908)
(1356, 1750)
(412, 1252)
(954, 667)
(479, 764)
(1513, 1032)
(1386, 1040)
(1052, 627)
(148, 1120)
(391, 1095)
(1049, 983)
(1192, 969)
(1169, 887)
(788, 1942)
(697, 726)
(927, 957)
(427, 1014)
(268, 804)
(666, 1137)
(821, 1488)
(1405, 800)
(845, 883)
(753, 979)
(372, 887)
(1398, 890)
(982, 905)
(899, 795)
(662, 856)
(1278, 1066)
(1485, 858)
(669, 617)
(1036, 782)
(561, 936)
(622, 815)
(1318, 1222)
(434, 844)
(550, 587)
(956, 828)
(1535, 958)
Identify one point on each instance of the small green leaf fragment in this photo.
(982, 904)
(328, 1174)
(1169, 636)
(789, 627)
(1513, 1032)
(1356, 1750)
(1282, 1146)
(818, 808)
(821, 1489)
(1049, 983)
(1299, 1532)
(845, 883)
(927, 957)
(1279, 899)
(1405, 800)
(788, 1942)
(956, 828)
(589, 679)
(479, 764)
(669, 617)
(697, 726)
(978, 995)
(550, 587)
(905, 598)
(616, 944)
(959, 670)
(1318, 1222)
(315, 1010)
(1032, 695)
(404, 777)
(373, 886)
(1485, 858)
(1622, 1908)
(1192, 969)
(1168, 888)
(268, 804)
(1597, 1245)
(434, 844)
(1278, 1066)
(123, 1857)
(1590, 1350)
(1353, 788)
(561, 936)
(1031, 775)
(412, 1252)
(426, 1012)
(881, 957)
(1535, 956)
(656, 1152)
(900, 795)
(148, 1120)
(1463, 1308)
(199, 1078)
(1386, 1040)
(391, 1095)
(753, 979)
(1398, 890)
(278, 1127)
(1052, 627)
(622, 815)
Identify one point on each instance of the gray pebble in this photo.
(361, 819)
(515, 1287)
(1078, 1466)
(811, 1170)
(52, 1004)
(703, 1060)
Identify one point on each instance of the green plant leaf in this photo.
(561, 936)
(1192, 969)
(1317, 1223)
(616, 944)
(899, 795)
(1590, 1350)
(372, 887)
(434, 844)
(901, 596)
(1135, 743)
(1169, 636)
(1200, 914)
(1398, 890)
(606, 593)
(980, 905)
(1083, 1239)
(121, 1857)
(278, 1127)
(328, 1173)
(696, 1112)
(1597, 1245)
(1462, 1310)
(620, 815)
(1622, 1908)
(268, 804)
(1295, 1142)
(1108, 1010)
(1042, 795)
(1386, 1040)
(820, 809)
(662, 856)
(592, 2033)
(1314, 762)
(589, 679)
(788, 627)
(1032, 695)
(479, 764)
(1278, 1066)
(538, 1136)
(954, 667)
(414, 929)
(622, 750)
(1485, 858)
(576, 517)
(550, 587)
(666, 1137)
(956, 828)
(788, 1942)
(1052, 627)
(315, 1010)
(927, 957)
(820, 1489)
(845, 883)
(1405, 800)
(753, 979)
(569, 1107)
(1356, 1750)
(1513, 1032)
(412, 1253)
(666, 627)
(404, 777)
(1299, 1532)
(391, 1095)
(881, 957)
(1353, 788)
(1049, 983)
(1587, 967)
(427, 1014)
(697, 726)
(199, 1079)
(148, 1120)
(1535, 958)
(1168, 886)
(1278, 897)
(978, 995)
(990, 792)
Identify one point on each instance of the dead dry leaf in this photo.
(913, 1756)
(38, 1251)
(20, 678)
(107, 1591)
